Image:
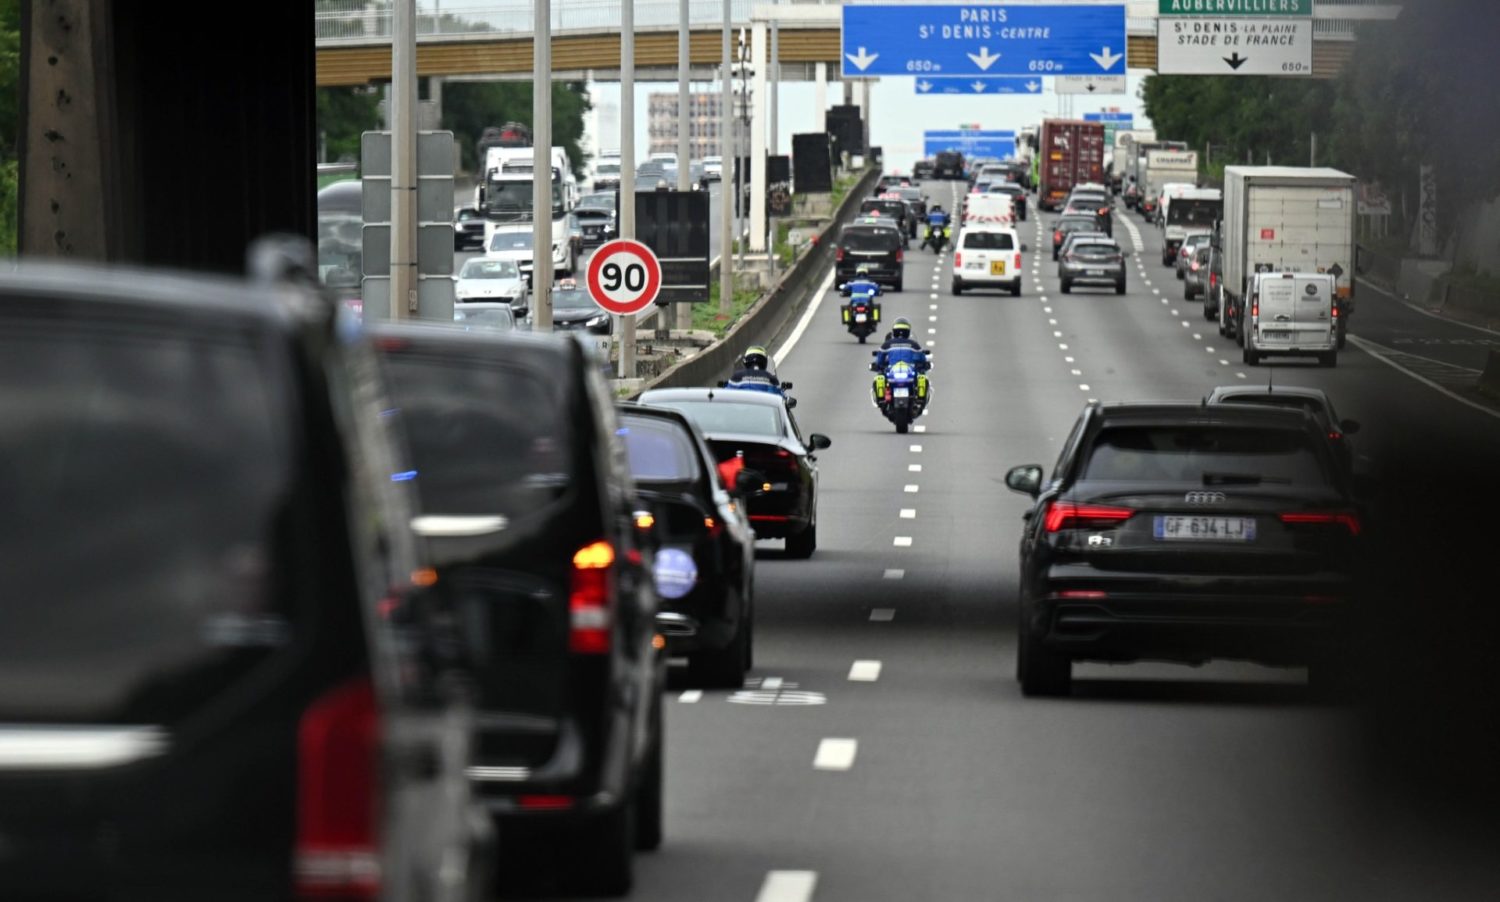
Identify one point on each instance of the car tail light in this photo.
(1194, 267)
(1336, 436)
(839, 255)
(958, 260)
(1018, 262)
(1068, 515)
(899, 255)
(713, 526)
(1081, 595)
(588, 599)
(1347, 519)
(1255, 310)
(1335, 311)
(1057, 237)
(1213, 280)
(338, 763)
(537, 802)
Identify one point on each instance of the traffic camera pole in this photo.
(684, 312)
(403, 108)
(727, 153)
(625, 207)
(541, 169)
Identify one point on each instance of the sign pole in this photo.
(683, 312)
(625, 214)
(403, 109)
(727, 151)
(541, 169)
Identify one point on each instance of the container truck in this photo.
(1286, 219)
(1126, 142)
(1072, 152)
(1164, 167)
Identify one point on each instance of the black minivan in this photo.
(877, 246)
(224, 669)
(529, 508)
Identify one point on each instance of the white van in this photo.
(1292, 314)
(988, 255)
(996, 209)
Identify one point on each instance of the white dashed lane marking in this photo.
(864, 671)
(836, 754)
(908, 513)
(902, 541)
(788, 886)
(911, 490)
(691, 696)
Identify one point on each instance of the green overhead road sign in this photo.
(1235, 7)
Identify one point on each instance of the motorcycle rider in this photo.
(899, 337)
(937, 225)
(861, 283)
(754, 367)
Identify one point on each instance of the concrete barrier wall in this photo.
(775, 313)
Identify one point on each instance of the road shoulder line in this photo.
(1375, 350)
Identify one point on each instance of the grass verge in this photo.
(706, 315)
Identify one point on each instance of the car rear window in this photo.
(1295, 402)
(487, 436)
(892, 207)
(145, 485)
(869, 238)
(1204, 455)
(989, 241)
(658, 449)
(721, 417)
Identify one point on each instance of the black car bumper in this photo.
(885, 274)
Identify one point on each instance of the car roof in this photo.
(731, 395)
(1202, 414)
(538, 348)
(981, 226)
(1255, 391)
(1077, 217)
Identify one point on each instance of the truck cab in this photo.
(1292, 314)
(1184, 212)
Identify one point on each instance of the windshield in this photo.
(511, 241)
(480, 268)
(486, 437)
(146, 486)
(658, 450)
(513, 196)
(609, 169)
(573, 299)
(604, 202)
(719, 417)
(870, 239)
(1194, 455)
(989, 241)
(1182, 211)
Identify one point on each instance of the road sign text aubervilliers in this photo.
(1235, 7)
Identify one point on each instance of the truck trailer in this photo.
(1071, 152)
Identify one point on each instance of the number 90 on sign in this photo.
(624, 277)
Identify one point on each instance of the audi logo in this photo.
(1205, 498)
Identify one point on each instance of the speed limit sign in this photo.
(624, 277)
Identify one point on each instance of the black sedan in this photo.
(1313, 400)
(468, 229)
(573, 310)
(1072, 222)
(705, 547)
(596, 218)
(1186, 532)
(756, 431)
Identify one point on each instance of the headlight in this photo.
(599, 320)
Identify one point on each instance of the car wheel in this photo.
(1187, 292)
(607, 846)
(1211, 313)
(1329, 359)
(1181, 276)
(1166, 259)
(958, 287)
(648, 793)
(803, 544)
(1015, 289)
(1067, 287)
(862, 337)
(1040, 671)
(898, 285)
(1342, 334)
(1120, 287)
(1249, 356)
(724, 668)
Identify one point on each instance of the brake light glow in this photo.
(544, 802)
(588, 600)
(1057, 237)
(839, 255)
(1213, 280)
(958, 260)
(1068, 515)
(1255, 310)
(1018, 262)
(1194, 266)
(1346, 519)
(1080, 595)
(899, 255)
(338, 761)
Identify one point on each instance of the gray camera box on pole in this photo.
(436, 158)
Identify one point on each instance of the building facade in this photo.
(704, 124)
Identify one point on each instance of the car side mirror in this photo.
(749, 482)
(819, 441)
(790, 403)
(1349, 427)
(1025, 479)
(722, 383)
(787, 386)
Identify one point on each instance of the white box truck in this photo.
(1187, 212)
(1164, 167)
(1286, 219)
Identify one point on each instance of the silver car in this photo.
(493, 279)
(1188, 252)
(1195, 276)
(1096, 261)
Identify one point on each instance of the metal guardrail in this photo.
(773, 314)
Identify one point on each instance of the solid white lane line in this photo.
(882, 615)
(1374, 350)
(908, 513)
(901, 541)
(836, 754)
(864, 671)
(691, 696)
(911, 490)
(807, 317)
(788, 886)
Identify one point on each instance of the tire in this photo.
(1166, 260)
(1342, 334)
(1015, 290)
(901, 427)
(958, 287)
(1181, 276)
(607, 852)
(648, 793)
(1120, 287)
(898, 285)
(801, 546)
(862, 338)
(723, 668)
(1329, 359)
(1211, 313)
(1187, 292)
(1067, 287)
(1040, 671)
(1249, 355)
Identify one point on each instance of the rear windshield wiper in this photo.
(1239, 479)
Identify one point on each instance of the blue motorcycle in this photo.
(861, 316)
(902, 389)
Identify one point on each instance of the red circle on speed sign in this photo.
(624, 277)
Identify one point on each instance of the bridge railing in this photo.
(357, 21)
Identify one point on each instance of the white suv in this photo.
(988, 255)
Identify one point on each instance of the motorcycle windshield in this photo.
(906, 357)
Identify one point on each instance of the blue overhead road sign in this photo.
(1007, 84)
(983, 40)
(998, 144)
(1117, 118)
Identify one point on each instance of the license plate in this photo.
(1171, 528)
(997, 268)
(901, 393)
(974, 265)
(1276, 336)
(1094, 272)
(860, 317)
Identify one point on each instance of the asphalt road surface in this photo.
(883, 750)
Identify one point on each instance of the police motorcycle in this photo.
(755, 375)
(901, 389)
(861, 315)
(939, 231)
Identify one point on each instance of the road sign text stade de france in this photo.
(947, 39)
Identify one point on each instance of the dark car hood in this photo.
(582, 214)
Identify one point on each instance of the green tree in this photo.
(343, 114)
(10, 122)
(469, 107)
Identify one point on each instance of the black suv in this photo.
(877, 246)
(1186, 532)
(705, 556)
(529, 508)
(226, 672)
(892, 208)
(948, 165)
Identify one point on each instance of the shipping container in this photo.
(1072, 152)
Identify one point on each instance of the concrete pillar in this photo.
(820, 98)
(758, 140)
(69, 206)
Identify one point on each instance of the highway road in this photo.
(883, 750)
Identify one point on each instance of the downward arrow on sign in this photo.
(1033, 87)
(1236, 61)
(924, 86)
(984, 59)
(862, 60)
(1106, 59)
(978, 87)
